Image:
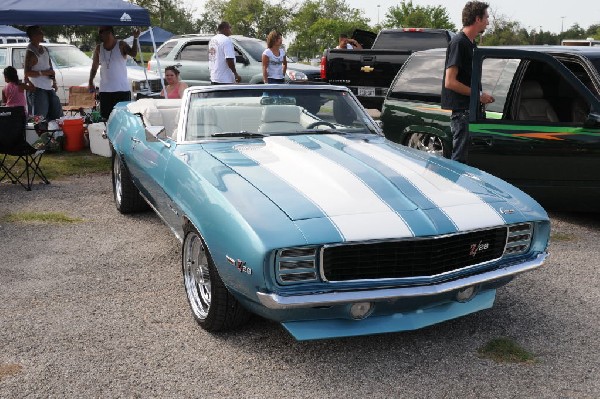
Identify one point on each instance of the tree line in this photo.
(314, 25)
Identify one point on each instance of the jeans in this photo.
(459, 125)
(46, 103)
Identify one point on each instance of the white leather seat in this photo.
(533, 106)
(280, 118)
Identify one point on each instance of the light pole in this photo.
(378, 6)
(562, 20)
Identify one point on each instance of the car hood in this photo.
(298, 66)
(365, 182)
(137, 73)
(133, 73)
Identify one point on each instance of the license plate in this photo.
(366, 91)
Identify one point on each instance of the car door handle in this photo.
(135, 140)
(481, 141)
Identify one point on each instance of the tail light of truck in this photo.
(323, 67)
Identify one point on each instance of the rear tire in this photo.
(213, 307)
(127, 196)
(428, 143)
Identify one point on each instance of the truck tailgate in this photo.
(374, 68)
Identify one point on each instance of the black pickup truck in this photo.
(370, 71)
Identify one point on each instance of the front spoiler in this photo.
(274, 301)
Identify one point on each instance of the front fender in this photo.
(236, 221)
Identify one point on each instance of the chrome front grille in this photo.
(296, 265)
(519, 239)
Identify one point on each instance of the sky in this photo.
(531, 14)
(549, 15)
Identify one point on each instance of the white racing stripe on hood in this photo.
(464, 208)
(357, 212)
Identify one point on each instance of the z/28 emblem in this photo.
(478, 247)
(239, 264)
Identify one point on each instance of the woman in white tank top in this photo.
(274, 62)
(38, 70)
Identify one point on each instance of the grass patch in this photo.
(44, 217)
(63, 164)
(561, 237)
(505, 350)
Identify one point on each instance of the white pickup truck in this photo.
(72, 68)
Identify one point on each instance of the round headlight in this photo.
(466, 294)
(360, 310)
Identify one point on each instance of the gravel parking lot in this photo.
(97, 309)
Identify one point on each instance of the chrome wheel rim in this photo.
(196, 275)
(117, 180)
(427, 143)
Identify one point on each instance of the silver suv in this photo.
(72, 68)
(189, 53)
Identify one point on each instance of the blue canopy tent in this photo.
(68, 12)
(145, 39)
(6, 30)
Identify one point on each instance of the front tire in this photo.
(127, 196)
(213, 307)
(428, 143)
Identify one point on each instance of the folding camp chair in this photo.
(19, 161)
(80, 100)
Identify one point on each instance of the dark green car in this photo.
(542, 133)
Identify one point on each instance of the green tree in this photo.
(406, 14)
(502, 32)
(574, 32)
(318, 23)
(593, 31)
(169, 15)
(253, 18)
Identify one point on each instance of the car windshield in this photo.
(68, 56)
(274, 111)
(254, 47)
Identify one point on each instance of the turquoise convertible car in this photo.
(291, 204)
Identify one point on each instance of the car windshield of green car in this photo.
(273, 111)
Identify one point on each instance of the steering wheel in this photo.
(319, 123)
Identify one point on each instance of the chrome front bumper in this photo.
(274, 301)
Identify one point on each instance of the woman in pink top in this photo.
(13, 93)
(174, 87)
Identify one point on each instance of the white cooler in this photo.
(30, 134)
(98, 144)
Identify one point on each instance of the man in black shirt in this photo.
(456, 84)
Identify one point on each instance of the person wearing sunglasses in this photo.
(112, 54)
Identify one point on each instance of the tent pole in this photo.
(162, 81)
(139, 48)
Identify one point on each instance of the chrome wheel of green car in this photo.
(213, 306)
(427, 143)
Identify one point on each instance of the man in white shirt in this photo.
(221, 57)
